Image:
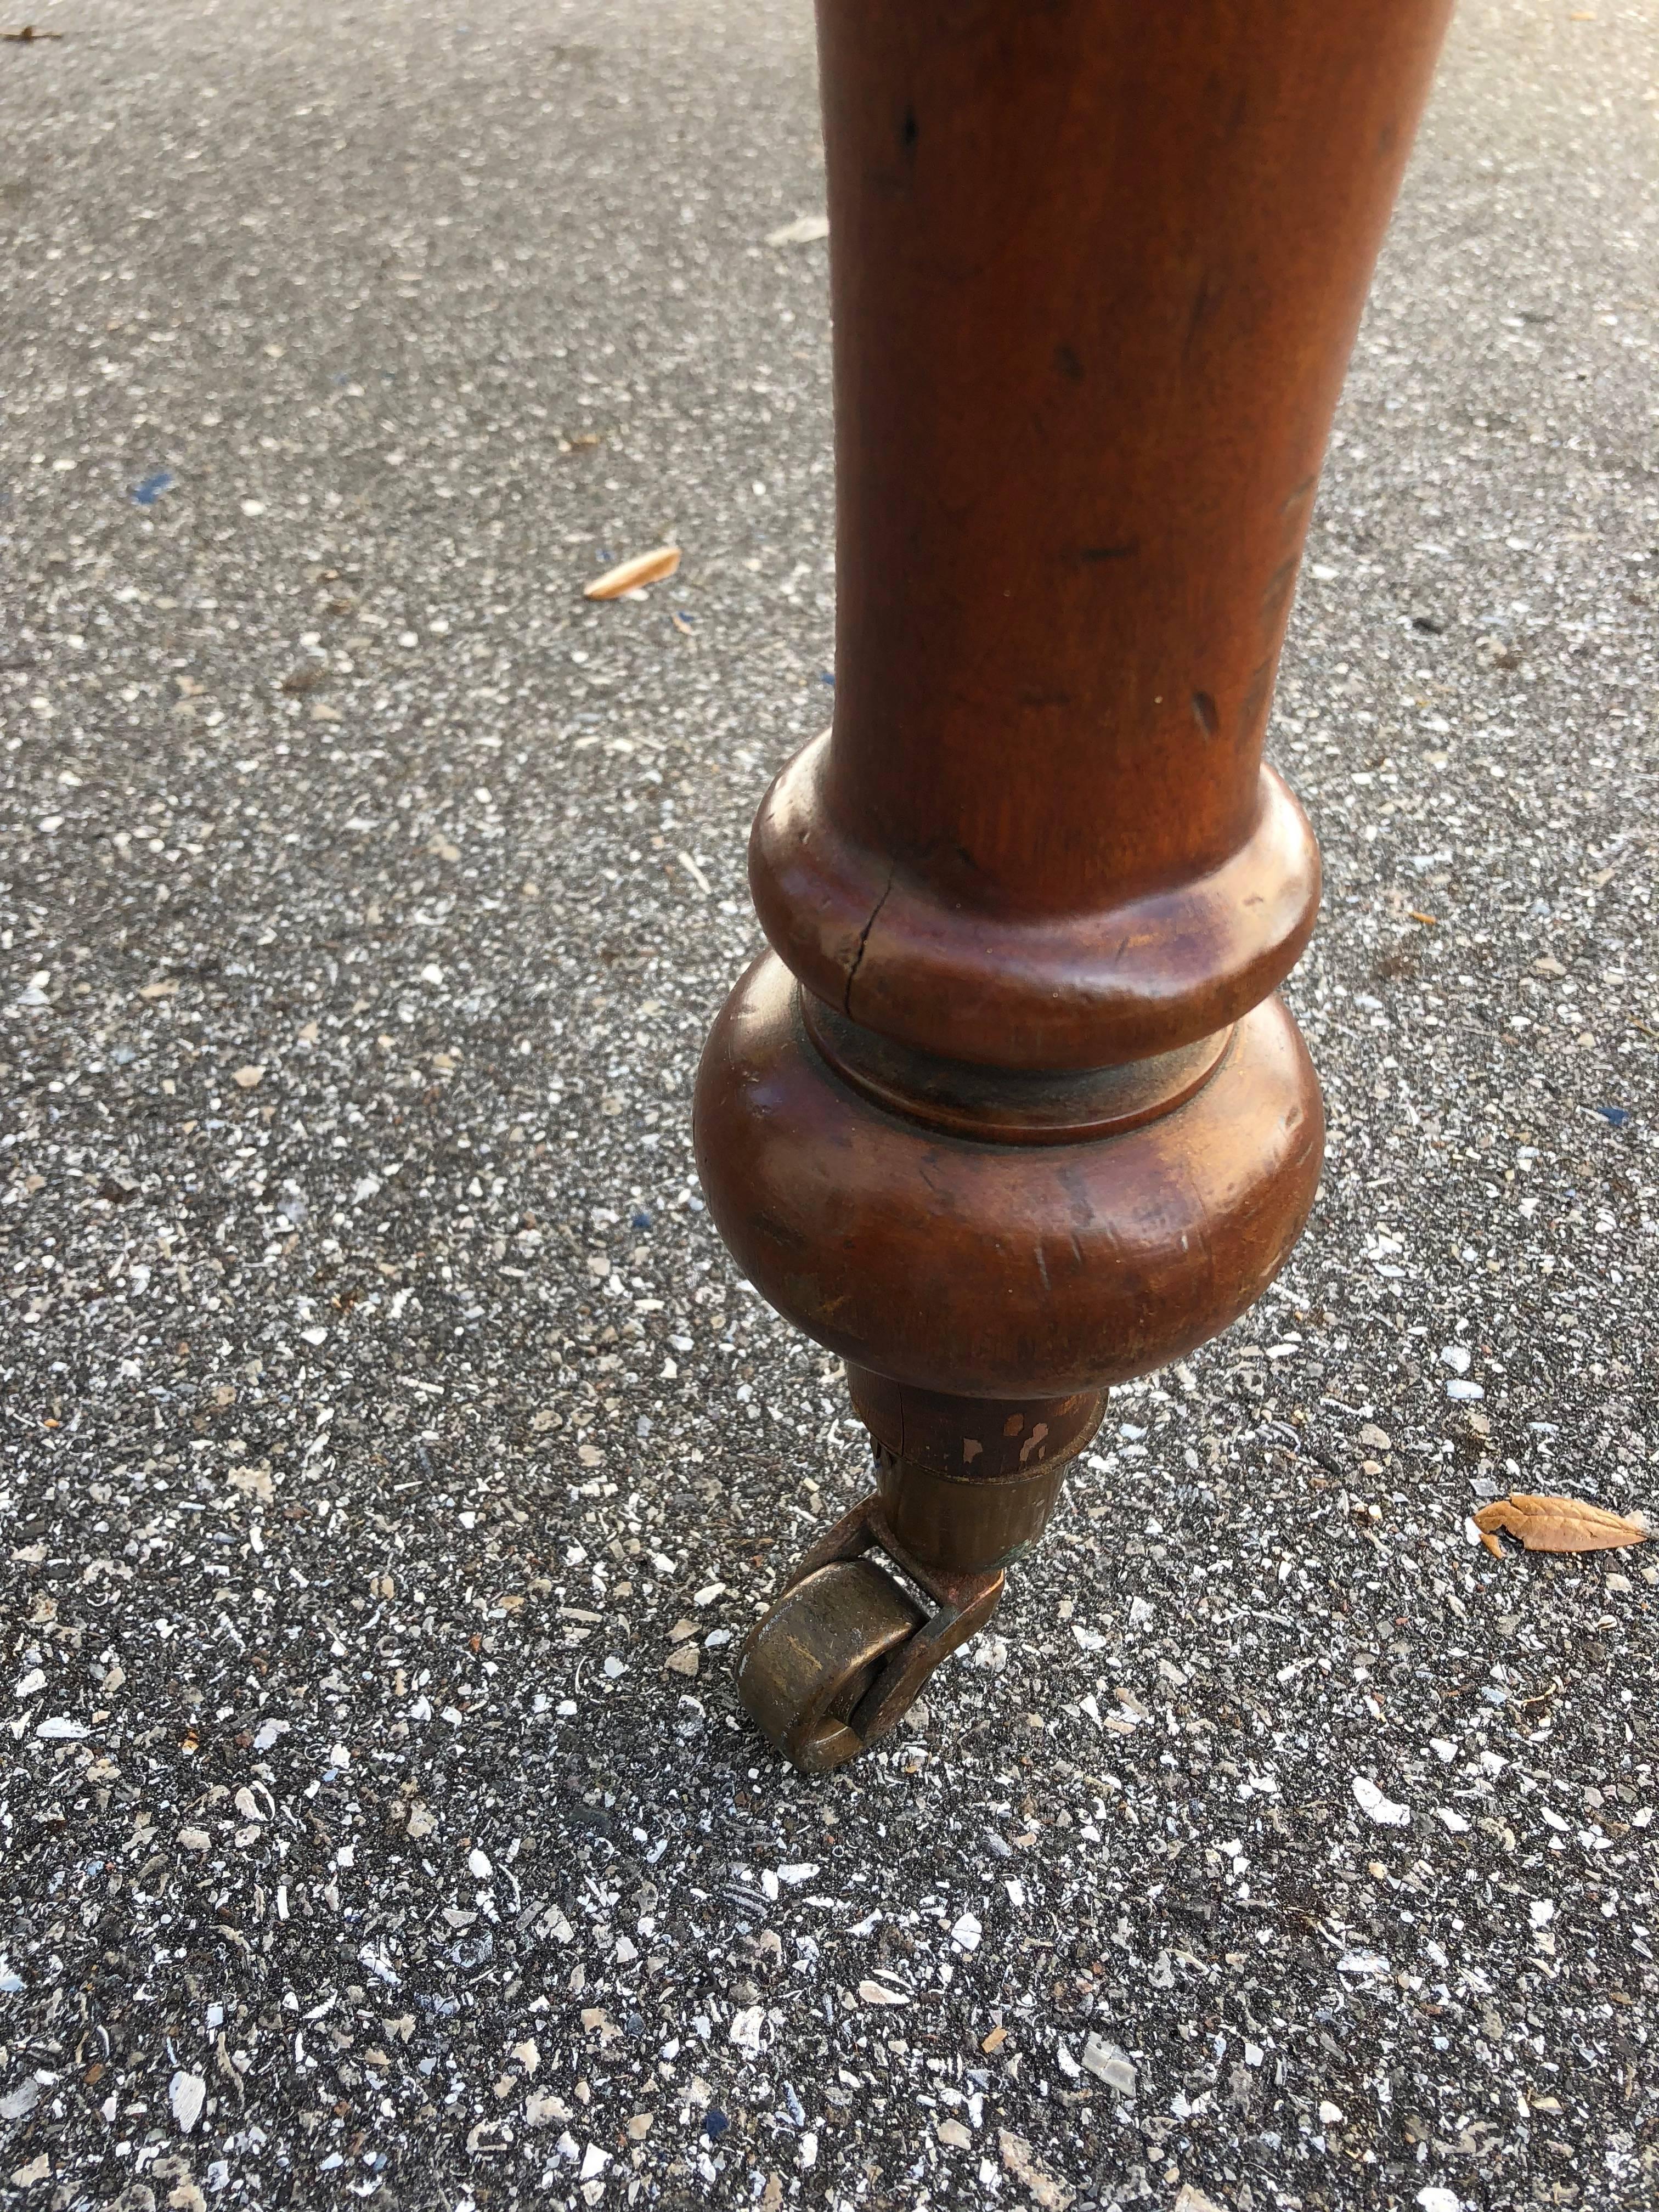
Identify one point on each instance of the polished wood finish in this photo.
(1001, 1270)
(1010, 1111)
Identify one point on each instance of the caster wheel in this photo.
(807, 1663)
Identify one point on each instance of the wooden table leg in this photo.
(1010, 1112)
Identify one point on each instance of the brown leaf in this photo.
(1556, 1524)
(629, 575)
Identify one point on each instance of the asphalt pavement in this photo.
(389, 1456)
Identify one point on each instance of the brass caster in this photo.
(807, 1665)
(842, 1655)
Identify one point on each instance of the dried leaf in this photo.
(1556, 1524)
(629, 575)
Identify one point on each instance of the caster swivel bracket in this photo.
(842, 1655)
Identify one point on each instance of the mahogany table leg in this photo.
(1009, 1112)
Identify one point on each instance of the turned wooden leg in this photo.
(1009, 1112)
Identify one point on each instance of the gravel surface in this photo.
(389, 1456)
